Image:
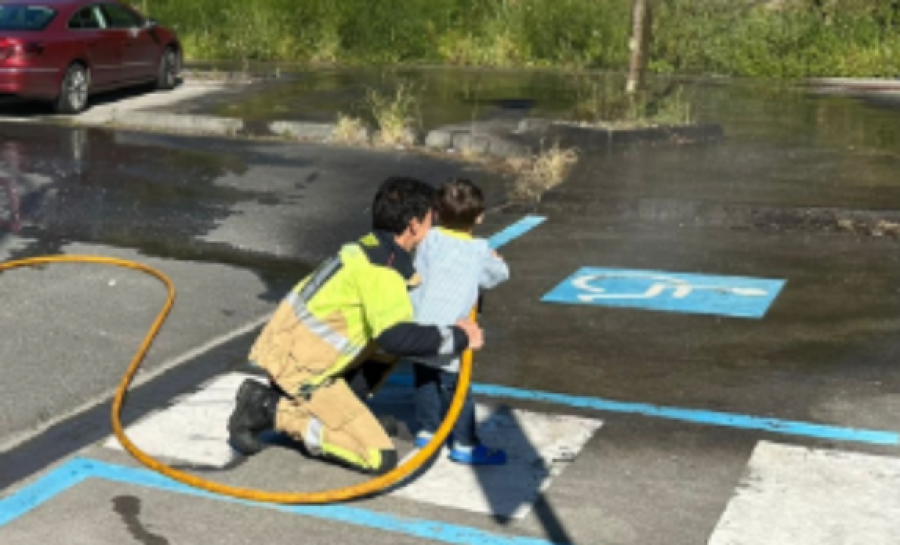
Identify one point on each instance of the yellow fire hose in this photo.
(325, 496)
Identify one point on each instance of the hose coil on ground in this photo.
(367, 488)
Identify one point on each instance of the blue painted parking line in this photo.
(78, 470)
(669, 292)
(696, 416)
(515, 230)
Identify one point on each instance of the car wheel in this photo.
(73, 93)
(168, 69)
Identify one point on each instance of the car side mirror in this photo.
(150, 23)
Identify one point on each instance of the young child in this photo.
(453, 267)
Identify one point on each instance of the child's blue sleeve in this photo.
(494, 271)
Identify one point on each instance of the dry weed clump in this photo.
(540, 173)
(394, 114)
(350, 130)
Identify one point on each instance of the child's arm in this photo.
(494, 271)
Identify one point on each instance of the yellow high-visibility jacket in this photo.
(330, 321)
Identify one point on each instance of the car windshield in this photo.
(20, 17)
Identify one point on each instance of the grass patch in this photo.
(605, 103)
(673, 108)
(395, 114)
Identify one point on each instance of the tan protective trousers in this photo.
(334, 423)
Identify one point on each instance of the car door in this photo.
(104, 49)
(139, 57)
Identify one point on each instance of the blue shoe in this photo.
(478, 456)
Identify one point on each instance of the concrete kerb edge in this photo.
(533, 135)
(301, 130)
(176, 123)
(529, 138)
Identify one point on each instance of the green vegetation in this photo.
(768, 38)
(394, 114)
(478, 32)
(800, 38)
(603, 101)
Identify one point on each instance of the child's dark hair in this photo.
(400, 200)
(459, 204)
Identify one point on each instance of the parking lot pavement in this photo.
(674, 374)
(658, 441)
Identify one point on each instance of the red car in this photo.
(65, 50)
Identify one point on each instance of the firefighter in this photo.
(323, 350)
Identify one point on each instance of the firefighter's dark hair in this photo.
(400, 200)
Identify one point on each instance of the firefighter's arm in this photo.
(411, 339)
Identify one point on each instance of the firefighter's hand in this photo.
(473, 332)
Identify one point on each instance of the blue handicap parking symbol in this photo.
(668, 292)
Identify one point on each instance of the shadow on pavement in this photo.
(506, 489)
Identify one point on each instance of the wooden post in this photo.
(641, 27)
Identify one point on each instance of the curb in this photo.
(506, 139)
(209, 125)
(855, 84)
(499, 138)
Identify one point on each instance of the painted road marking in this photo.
(515, 230)
(194, 429)
(538, 448)
(669, 292)
(803, 496)
(696, 416)
(79, 469)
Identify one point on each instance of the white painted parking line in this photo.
(194, 429)
(800, 496)
(538, 448)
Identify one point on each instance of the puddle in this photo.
(784, 147)
(778, 113)
(59, 185)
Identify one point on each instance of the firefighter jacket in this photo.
(338, 316)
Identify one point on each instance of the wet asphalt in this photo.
(802, 190)
(234, 224)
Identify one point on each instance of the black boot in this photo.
(253, 413)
